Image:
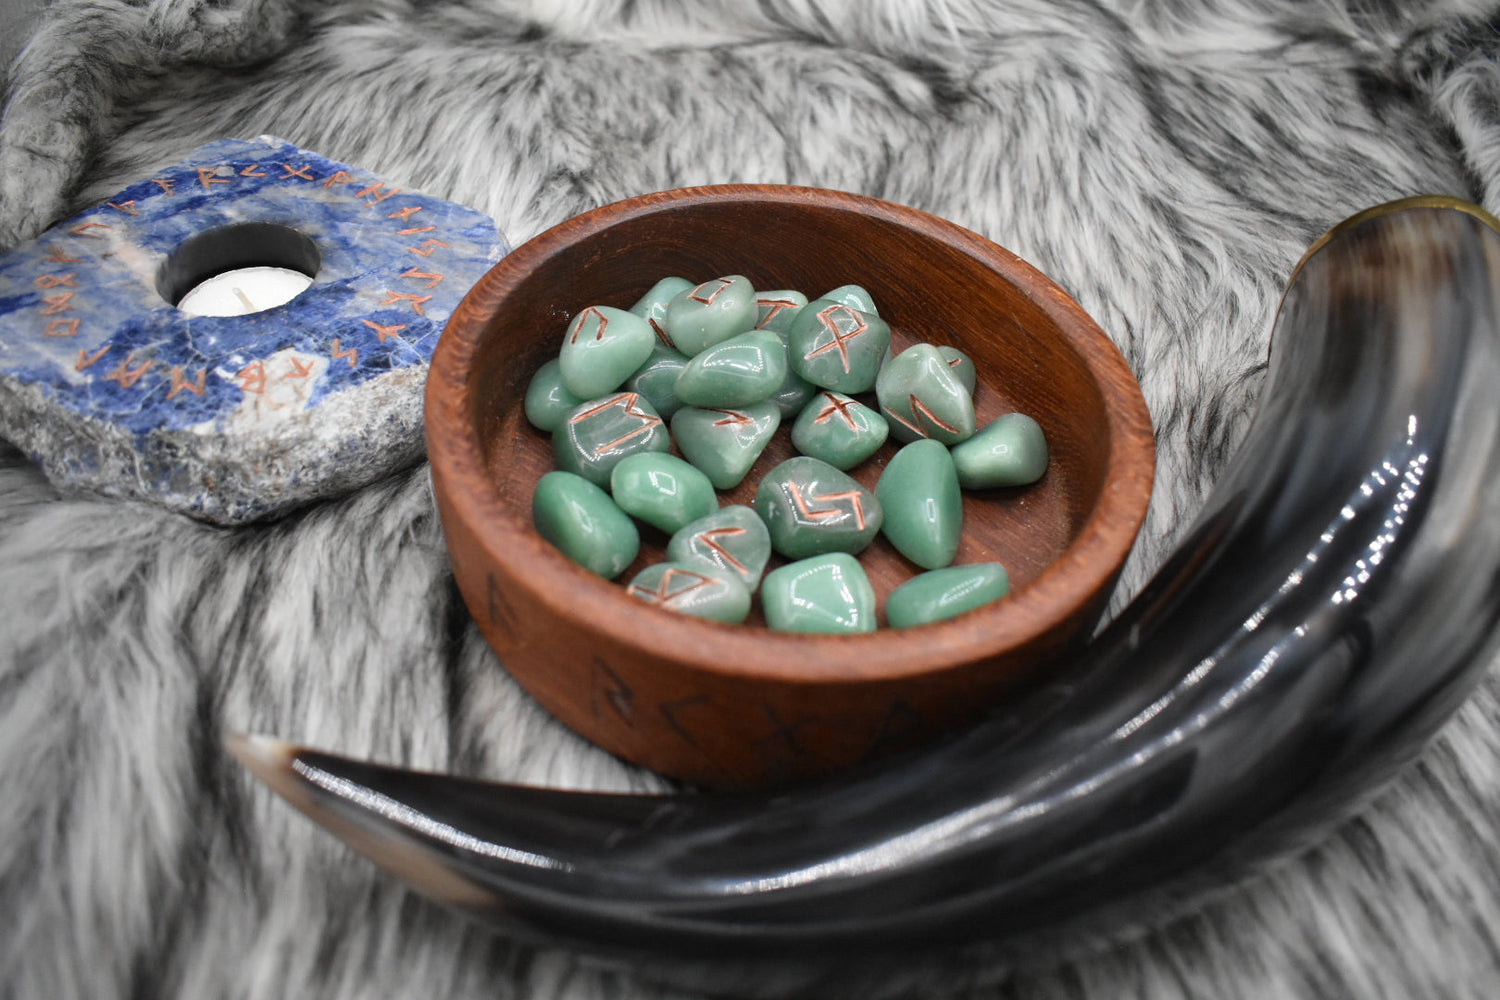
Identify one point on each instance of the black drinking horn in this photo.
(1333, 604)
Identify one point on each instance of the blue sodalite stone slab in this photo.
(109, 387)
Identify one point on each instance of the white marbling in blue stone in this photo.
(111, 388)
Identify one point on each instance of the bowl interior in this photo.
(1035, 350)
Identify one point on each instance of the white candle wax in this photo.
(243, 291)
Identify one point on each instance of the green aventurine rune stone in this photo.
(1010, 451)
(853, 296)
(812, 508)
(794, 391)
(945, 593)
(837, 347)
(793, 395)
(776, 310)
(662, 490)
(924, 509)
(711, 312)
(827, 593)
(652, 307)
(923, 397)
(744, 369)
(732, 539)
(657, 379)
(692, 590)
(595, 436)
(841, 431)
(725, 443)
(581, 520)
(547, 399)
(962, 366)
(602, 347)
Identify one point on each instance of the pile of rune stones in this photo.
(725, 365)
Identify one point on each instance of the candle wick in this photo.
(243, 298)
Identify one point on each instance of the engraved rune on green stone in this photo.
(595, 436)
(601, 348)
(837, 347)
(961, 365)
(841, 431)
(776, 310)
(732, 539)
(924, 397)
(811, 508)
(711, 312)
(725, 443)
(692, 590)
(652, 307)
(656, 379)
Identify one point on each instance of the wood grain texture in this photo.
(737, 705)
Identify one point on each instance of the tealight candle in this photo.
(243, 291)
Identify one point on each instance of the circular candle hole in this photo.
(238, 269)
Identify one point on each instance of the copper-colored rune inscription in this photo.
(336, 351)
(179, 383)
(83, 229)
(707, 538)
(844, 324)
(732, 418)
(377, 196)
(778, 306)
(86, 360)
(57, 303)
(921, 412)
(699, 295)
(384, 332)
(252, 378)
(427, 276)
(669, 590)
(836, 405)
(425, 248)
(209, 175)
(126, 375)
(392, 298)
(592, 312)
(628, 401)
(812, 513)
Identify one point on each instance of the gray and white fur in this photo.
(1166, 161)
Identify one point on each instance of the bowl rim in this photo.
(1082, 573)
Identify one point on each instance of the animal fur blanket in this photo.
(1166, 162)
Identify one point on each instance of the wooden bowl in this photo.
(729, 705)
